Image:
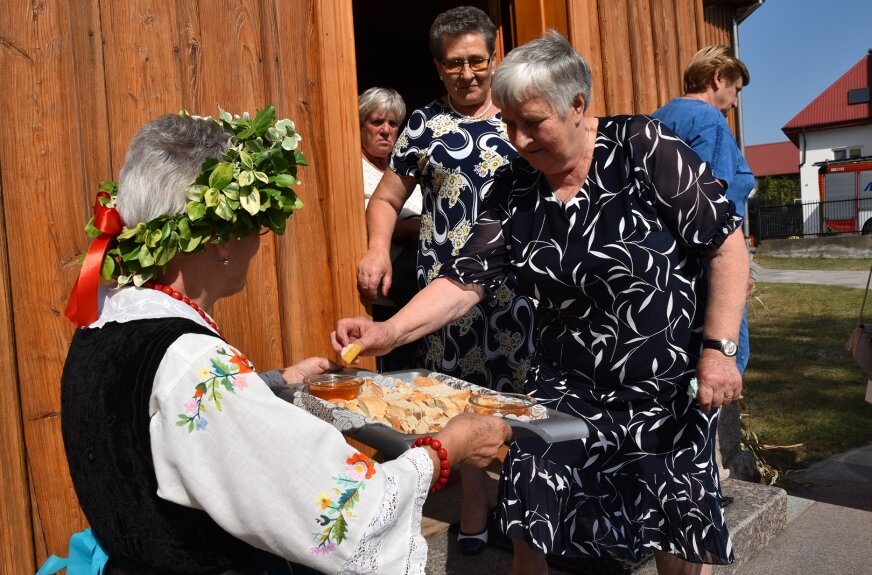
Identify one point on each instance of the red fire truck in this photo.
(846, 195)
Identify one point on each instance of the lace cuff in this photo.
(393, 542)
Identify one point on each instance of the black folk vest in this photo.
(105, 391)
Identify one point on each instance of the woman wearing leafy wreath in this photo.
(183, 459)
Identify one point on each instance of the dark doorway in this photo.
(390, 39)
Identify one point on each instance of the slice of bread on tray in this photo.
(424, 406)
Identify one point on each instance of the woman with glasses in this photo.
(452, 147)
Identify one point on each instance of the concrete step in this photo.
(823, 539)
(755, 518)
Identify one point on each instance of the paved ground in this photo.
(823, 539)
(840, 278)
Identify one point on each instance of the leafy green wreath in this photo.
(248, 189)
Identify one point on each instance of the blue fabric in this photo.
(704, 128)
(744, 352)
(86, 557)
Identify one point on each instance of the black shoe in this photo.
(472, 543)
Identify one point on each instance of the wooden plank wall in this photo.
(80, 77)
(637, 49)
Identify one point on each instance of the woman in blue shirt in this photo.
(712, 81)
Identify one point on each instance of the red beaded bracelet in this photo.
(444, 464)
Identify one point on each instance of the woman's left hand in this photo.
(719, 380)
(307, 367)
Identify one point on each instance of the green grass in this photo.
(835, 264)
(804, 395)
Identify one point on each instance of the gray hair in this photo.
(164, 158)
(547, 67)
(381, 99)
(458, 22)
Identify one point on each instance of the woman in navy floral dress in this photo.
(607, 222)
(452, 148)
(490, 345)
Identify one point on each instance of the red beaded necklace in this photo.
(186, 300)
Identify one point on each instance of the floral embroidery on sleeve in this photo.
(218, 375)
(339, 502)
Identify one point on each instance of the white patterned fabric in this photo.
(617, 273)
(266, 471)
(372, 176)
(411, 209)
(454, 158)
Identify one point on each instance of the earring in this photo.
(225, 261)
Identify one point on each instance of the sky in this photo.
(794, 50)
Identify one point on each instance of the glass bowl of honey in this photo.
(333, 386)
(493, 403)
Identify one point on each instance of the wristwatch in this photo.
(726, 346)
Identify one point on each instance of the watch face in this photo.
(729, 347)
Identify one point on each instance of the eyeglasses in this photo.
(476, 64)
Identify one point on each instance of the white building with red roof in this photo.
(837, 125)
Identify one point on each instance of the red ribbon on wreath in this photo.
(82, 305)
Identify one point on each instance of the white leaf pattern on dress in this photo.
(624, 258)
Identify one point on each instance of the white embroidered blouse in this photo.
(266, 471)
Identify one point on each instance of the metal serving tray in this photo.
(553, 427)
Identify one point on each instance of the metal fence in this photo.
(836, 217)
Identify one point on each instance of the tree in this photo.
(777, 189)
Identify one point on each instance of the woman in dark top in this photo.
(607, 222)
(451, 148)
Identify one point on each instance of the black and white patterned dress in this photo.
(454, 158)
(617, 272)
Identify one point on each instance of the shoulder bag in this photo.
(860, 342)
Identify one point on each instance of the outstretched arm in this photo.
(440, 303)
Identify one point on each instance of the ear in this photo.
(718, 80)
(578, 105)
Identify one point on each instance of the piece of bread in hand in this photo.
(350, 352)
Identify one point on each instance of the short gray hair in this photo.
(381, 99)
(547, 67)
(459, 22)
(164, 158)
